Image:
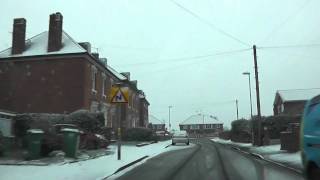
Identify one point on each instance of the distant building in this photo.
(52, 73)
(156, 124)
(202, 124)
(292, 102)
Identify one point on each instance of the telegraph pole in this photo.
(259, 141)
(237, 106)
(169, 117)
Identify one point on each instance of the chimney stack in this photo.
(86, 46)
(95, 55)
(126, 74)
(55, 32)
(18, 36)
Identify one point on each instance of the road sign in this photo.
(119, 95)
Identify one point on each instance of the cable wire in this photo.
(191, 58)
(210, 24)
(290, 46)
(285, 21)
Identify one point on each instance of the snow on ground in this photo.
(218, 140)
(271, 152)
(288, 158)
(267, 149)
(89, 169)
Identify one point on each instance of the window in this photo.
(195, 126)
(208, 126)
(132, 100)
(94, 79)
(103, 86)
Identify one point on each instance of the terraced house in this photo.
(52, 73)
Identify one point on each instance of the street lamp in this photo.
(248, 74)
(169, 117)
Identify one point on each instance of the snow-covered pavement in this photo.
(89, 169)
(270, 152)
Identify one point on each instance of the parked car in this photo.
(310, 138)
(180, 137)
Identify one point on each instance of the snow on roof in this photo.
(297, 94)
(38, 44)
(154, 120)
(117, 74)
(201, 119)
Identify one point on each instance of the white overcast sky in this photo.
(131, 33)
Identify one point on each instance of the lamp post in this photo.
(170, 117)
(248, 74)
(249, 78)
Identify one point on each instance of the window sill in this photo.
(94, 92)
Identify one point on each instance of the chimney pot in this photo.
(86, 46)
(18, 36)
(126, 74)
(96, 55)
(55, 32)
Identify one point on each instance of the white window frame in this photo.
(104, 77)
(94, 73)
(208, 126)
(194, 126)
(132, 99)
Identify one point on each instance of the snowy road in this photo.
(208, 160)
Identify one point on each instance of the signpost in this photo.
(119, 95)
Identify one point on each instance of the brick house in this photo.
(156, 124)
(52, 73)
(202, 124)
(292, 102)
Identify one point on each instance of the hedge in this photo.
(139, 134)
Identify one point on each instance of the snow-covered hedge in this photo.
(139, 134)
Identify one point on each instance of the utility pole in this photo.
(203, 125)
(259, 142)
(169, 117)
(237, 106)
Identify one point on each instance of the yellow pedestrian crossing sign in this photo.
(119, 95)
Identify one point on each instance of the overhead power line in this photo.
(289, 46)
(210, 24)
(191, 58)
(285, 21)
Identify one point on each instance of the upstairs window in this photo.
(195, 126)
(208, 126)
(103, 86)
(94, 79)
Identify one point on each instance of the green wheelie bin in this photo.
(70, 141)
(34, 137)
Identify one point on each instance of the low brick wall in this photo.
(290, 140)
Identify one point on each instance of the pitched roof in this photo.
(154, 120)
(117, 74)
(38, 44)
(296, 94)
(201, 119)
